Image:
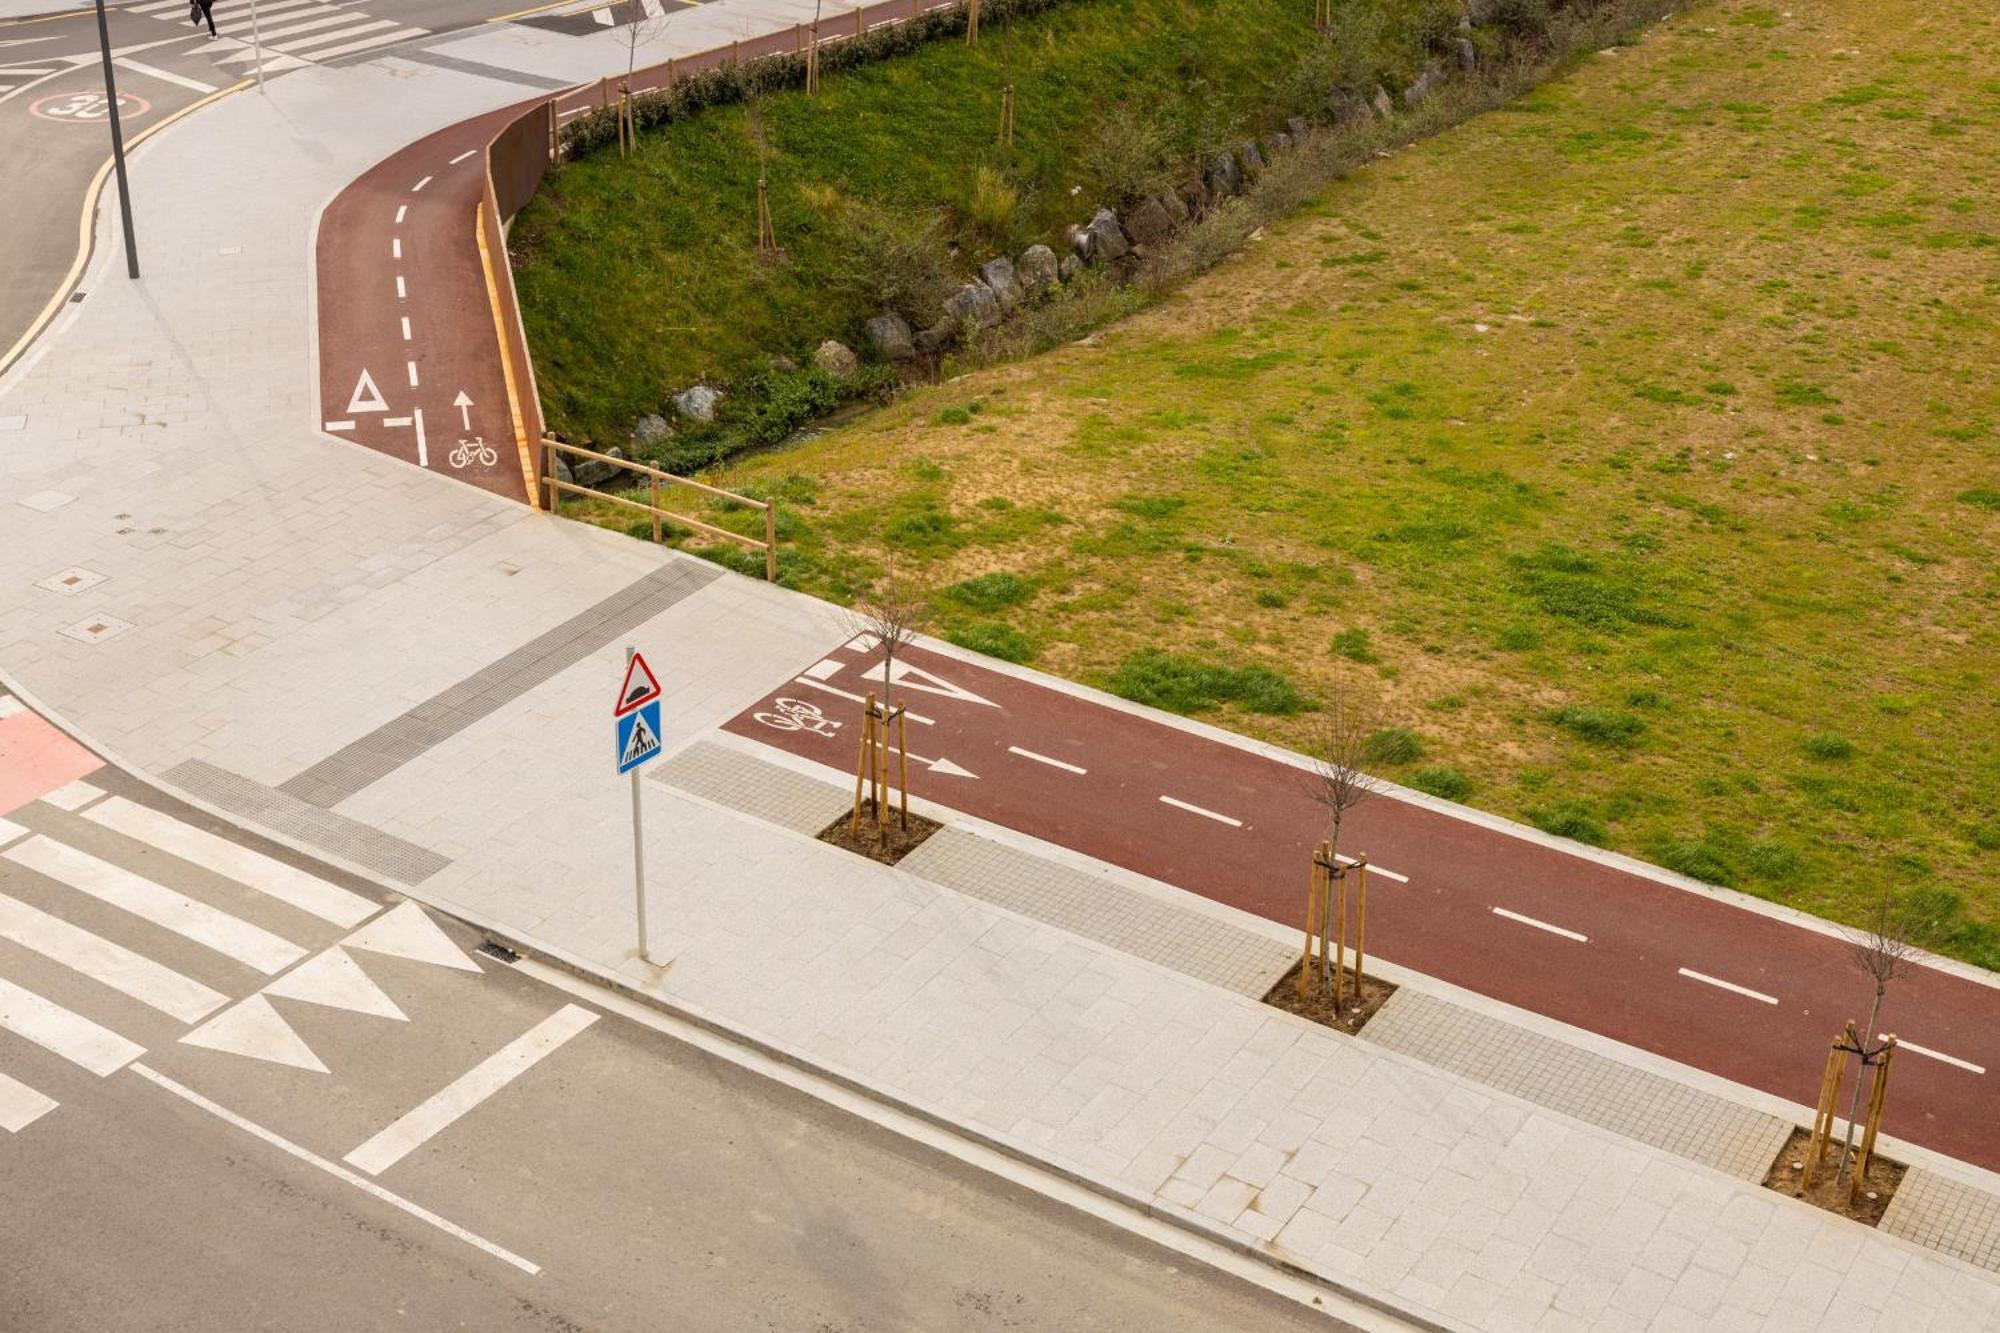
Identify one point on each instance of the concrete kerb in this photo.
(552, 955)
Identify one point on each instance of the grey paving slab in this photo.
(771, 792)
(1946, 1216)
(1636, 1103)
(364, 762)
(1100, 908)
(371, 848)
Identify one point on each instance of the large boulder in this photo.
(1038, 271)
(999, 274)
(1195, 195)
(1383, 106)
(1281, 143)
(1070, 268)
(1346, 107)
(1223, 175)
(937, 337)
(698, 403)
(1103, 240)
(593, 472)
(973, 306)
(836, 359)
(1250, 157)
(1296, 127)
(889, 337)
(651, 430)
(1176, 208)
(1149, 223)
(1421, 88)
(1468, 55)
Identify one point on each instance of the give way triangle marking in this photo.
(405, 932)
(916, 678)
(367, 398)
(335, 980)
(255, 1029)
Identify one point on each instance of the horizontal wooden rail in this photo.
(654, 477)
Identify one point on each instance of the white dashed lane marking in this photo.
(1198, 810)
(1541, 925)
(1729, 986)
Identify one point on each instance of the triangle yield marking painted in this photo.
(367, 398)
(405, 931)
(254, 1029)
(335, 980)
(916, 678)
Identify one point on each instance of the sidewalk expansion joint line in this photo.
(1730, 985)
(1541, 925)
(1940, 1055)
(1197, 810)
(286, 1146)
(1044, 759)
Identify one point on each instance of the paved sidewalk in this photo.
(394, 667)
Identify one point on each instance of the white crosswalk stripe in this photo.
(70, 1035)
(109, 964)
(291, 32)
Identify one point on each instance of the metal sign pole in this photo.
(117, 143)
(257, 44)
(638, 848)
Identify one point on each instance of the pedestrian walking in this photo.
(202, 11)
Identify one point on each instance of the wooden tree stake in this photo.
(1876, 1096)
(972, 22)
(1360, 920)
(860, 24)
(1007, 116)
(767, 237)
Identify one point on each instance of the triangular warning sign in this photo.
(334, 979)
(639, 744)
(367, 398)
(255, 1029)
(641, 686)
(405, 932)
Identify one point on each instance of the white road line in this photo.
(1197, 810)
(107, 963)
(396, 247)
(420, 184)
(21, 1105)
(469, 1089)
(822, 669)
(831, 689)
(396, 421)
(72, 796)
(339, 425)
(1730, 985)
(288, 884)
(402, 292)
(9, 706)
(286, 28)
(165, 76)
(72, 1036)
(379, 39)
(406, 328)
(322, 38)
(233, 937)
(1541, 925)
(423, 445)
(402, 211)
(462, 156)
(11, 833)
(411, 366)
(1374, 869)
(335, 1169)
(1044, 759)
(1901, 1044)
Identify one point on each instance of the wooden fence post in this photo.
(770, 542)
(860, 25)
(972, 22)
(653, 485)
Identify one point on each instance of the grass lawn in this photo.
(1636, 449)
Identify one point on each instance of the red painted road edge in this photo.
(414, 217)
(1623, 980)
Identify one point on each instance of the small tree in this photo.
(1337, 747)
(1884, 951)
(635, 34)
(894, 613)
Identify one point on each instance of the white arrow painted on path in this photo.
(464, 405)
(943, 767)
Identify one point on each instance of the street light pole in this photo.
(117, 144)
(257, 43)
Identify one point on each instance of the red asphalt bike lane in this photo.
(410, 314)
(1623, 979)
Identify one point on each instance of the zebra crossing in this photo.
(124, 928)
(581, 17)
(292, 32)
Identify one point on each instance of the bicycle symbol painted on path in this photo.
(798, 715)
(474, 450)
(86, 108)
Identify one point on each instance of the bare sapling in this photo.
(893, 614)
(1337, 748)
(1884, 951)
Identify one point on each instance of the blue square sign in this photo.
(638, 736)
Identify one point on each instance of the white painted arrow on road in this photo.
(943, 767)
(464, 405)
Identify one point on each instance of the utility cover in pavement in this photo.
(638, 736)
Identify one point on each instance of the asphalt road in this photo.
(242, 1093)
(1689, 976)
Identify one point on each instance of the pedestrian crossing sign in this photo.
(638, 736)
